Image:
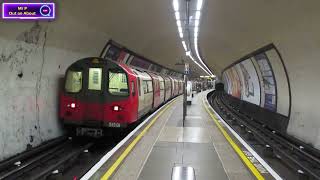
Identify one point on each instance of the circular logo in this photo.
(45, 10)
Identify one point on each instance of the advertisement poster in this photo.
(123, 56)
(226, 83)
(113, 53)
(235, 86)
(250, 87)
(268, 82)
(137, 62)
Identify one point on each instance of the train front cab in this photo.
(98, 93)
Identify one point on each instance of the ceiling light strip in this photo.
(196, 31)
(198, 64)
(184, 45)
(198, 55)
(199, 5)
(175, 5)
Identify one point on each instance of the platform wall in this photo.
(299, 49)
(33, 59)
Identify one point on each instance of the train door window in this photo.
(73, 81)
(167, 85)
(118, 83)
(161, 85)
(133, 92)
(139, 86)
(145, 87)
(149, 83)
(95, 76)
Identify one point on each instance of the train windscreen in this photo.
(118, 83)
(95, 76)
(73, 81)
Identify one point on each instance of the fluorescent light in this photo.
(201, 67)
(198, 13)
(199, 5)
(178, 23)
(184, 45)
(196, 23)
(198, 64)
(179, 29)
(177, 14)
(175, 5)
(191, 57)
(196, 30)
(198, 55)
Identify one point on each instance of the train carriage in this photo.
(174, 89)
(145, 92)
(156, 87)
(180, 86)
(101, 94)
(162, 90)
(168, 88)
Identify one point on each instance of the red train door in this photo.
(156, 90)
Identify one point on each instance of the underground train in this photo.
(102, 95)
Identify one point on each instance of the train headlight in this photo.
(73, 105)
(116, 108)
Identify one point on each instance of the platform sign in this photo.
(30, 11)
(186, 68)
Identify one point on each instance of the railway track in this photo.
(303, 161)
(61, 158)
(43, 162)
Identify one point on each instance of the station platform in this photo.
(165, 143)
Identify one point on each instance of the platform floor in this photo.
(199, 144)
(193, 146)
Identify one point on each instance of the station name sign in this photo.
(28, 10)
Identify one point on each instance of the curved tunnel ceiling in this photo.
(146, 27)
(228, 30)
(232, 29)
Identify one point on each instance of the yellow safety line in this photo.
(125, 153)
(235, 147)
